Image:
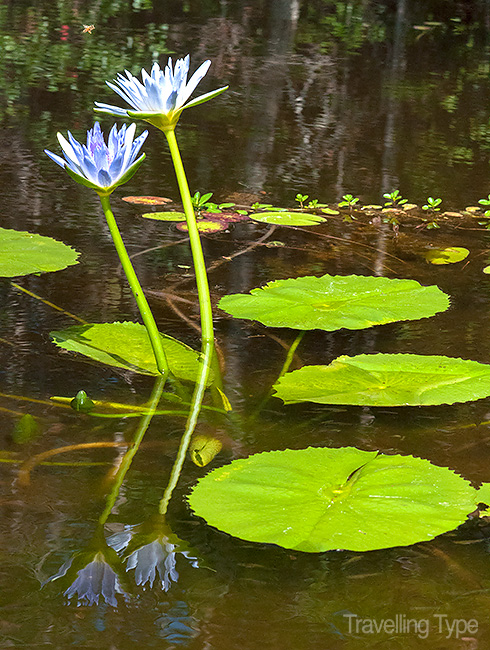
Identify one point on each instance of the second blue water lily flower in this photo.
(161, 96)
(98, 165)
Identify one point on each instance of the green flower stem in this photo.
(129, 455)
(195, 240)
(197, 397)
(143, 306)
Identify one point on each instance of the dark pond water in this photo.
(325, 99)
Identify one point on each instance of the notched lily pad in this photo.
(321, 499)
(387, 380)
(127, 345)
(22, 253)
(283, 218)
(334, 302)
(449, 255)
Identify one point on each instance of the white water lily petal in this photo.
(160, 96)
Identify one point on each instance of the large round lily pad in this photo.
(283, 218)
(333, 302)
(22, 253)
(320, 499)
(127, 345)
(387, 380)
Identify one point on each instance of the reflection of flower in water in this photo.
(93, 573)
(153, 550)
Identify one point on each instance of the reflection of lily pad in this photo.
(387, 380)
(127, 345)
(446, 255)
(147, 200)
(334, 302)
(320, 499)
(165, 216)
(206, 226)
(283, 218)
(22, 253)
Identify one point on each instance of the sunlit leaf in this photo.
(127, 345)
(330, 211)
(486, 270)
(320, 499)
(203, 449)
(483, 495)
(22, 253)
(446, 255)
(387, 380)
(334, 302)
(283, 218)
(164, 216)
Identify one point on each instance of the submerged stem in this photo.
(197, 397)
(195, 241)
(143, 306)
(285, 367)
(129, 455)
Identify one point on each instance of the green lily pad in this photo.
(205, 225)
(164, 216)
(332, 302)
(483, 495)
(22, 253)
(282, 218)
(146, 200)
(321, 499)
(387, 380)
(449, 255)
(127, 345)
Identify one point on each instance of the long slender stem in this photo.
(197, 397)
(195, 241)
(129, 455)
(143, 306)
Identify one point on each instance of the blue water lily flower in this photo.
(98, 165)
(161, 96)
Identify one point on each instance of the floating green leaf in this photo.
(127, 345)
(483, 495)
(22, 253)
(165, 216)
(330, 211)
(334, 302)
(282, 218)
(321, 499)
(449, 255)
(387, 380)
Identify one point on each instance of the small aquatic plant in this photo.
(348, 201)
(432, 204)
(394, 199)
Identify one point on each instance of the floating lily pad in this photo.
(165, 216)
(449, 255)
(333, 302)
(387, 380)
(127, 345)
(230, 217)
(321, 499)
(483, 495)
(283, 218)
(147, 200)
(205, 225)
(22, 253)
